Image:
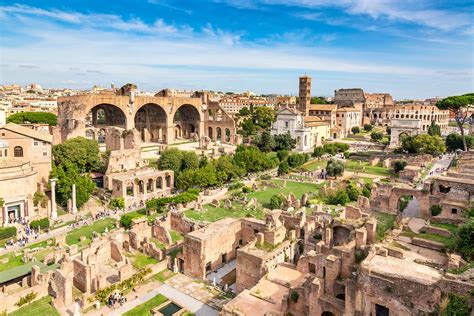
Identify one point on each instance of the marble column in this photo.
(54, 213)
(74, 207)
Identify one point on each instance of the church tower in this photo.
(304, 95)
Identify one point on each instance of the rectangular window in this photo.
(35, 143)
(45, 154)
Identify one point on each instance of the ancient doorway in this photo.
(187, 118)
(381, 310)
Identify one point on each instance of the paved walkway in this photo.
(131, 305)
(186, 301)
(412, 209)
(440, 165)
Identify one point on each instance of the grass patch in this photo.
(451, 227)
(470, 265)
(211, 213)
(164, 275)
(447, 241)
(73, 237)
(297, 188)
(158, 243)
(365, 167)
(385, 222)
(13, 261)
(141, 260)
(315, 164)
(175, 236)
(266, 246)
(40, 307)
(145, 308)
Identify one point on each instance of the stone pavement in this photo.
(186, 301)
(412, 209)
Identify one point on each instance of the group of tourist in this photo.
(25, 233)
(108, 213)
(115, 298)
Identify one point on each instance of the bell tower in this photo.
(304, 94)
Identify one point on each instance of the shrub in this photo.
(399, 165)
(338, 197)
(367, 190)
(7, 232)
(28, 298)
(275, 201)
(318, 152)
(294, 296)
(236, 185)
(158, 204)
(368, 127)
(126, 219)
(376, 136)
(352, 192)
(40, 223)
(283, 168)
(282, 154)
(247, 190)
(456, 305)
(355, 130)
(359, 256)
(117, 202)
(435, 210)
(296, 160)
(465, 239)
(40, 199)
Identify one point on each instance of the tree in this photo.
(266, 142)
(376, 136)
(465, 239)
(282, 154)
(455, 141)
(368, 127)
(170, 159)
(423, 144)
(244, 112)
(224, 164)
(318, 100)
(82, 152)
(399, 165)
(434, 130)
(459, 106)
(283, 168)
(67, 175)
(251, 159)
(334, 168)
(117, 203)
(355, 130)
(189, 160)
(264, 116)
(33, 117)
(275, 201)
(284, 142)
(318, 152)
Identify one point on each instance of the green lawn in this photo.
(451, 227)
(164, 275)
(73, 237)
(13, 262)
(213, 214)
(447, 241)
(145, 308)
(40, 307)
(384, 223)
(297, 188)
(175, 236)
(157, 243)
(315, 164)
(365, 167)
(141, 260)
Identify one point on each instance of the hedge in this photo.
(40, 223)
(185, 197)
(7, 232)
(126, 219)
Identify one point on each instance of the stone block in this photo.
(395, 252)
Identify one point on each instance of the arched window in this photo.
(18, 151)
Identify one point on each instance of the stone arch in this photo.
(101, 136)
(141, 187)
(187, 117)
(326, 313)
(227, 135)
(408, 205)
(168, 180)
(149, 185)
(177, 132)
(151, 122)
(159, 183)
(129, 190)
(105, 114)
(218, 133)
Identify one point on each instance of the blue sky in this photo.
(409, 48)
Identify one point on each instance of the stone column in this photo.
(74, 208)
(54, 213)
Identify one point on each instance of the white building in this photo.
(308, 131)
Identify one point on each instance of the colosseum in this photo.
(158, 119)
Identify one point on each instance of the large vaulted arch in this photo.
(150, 121)
(103, 115)
(186, 122)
